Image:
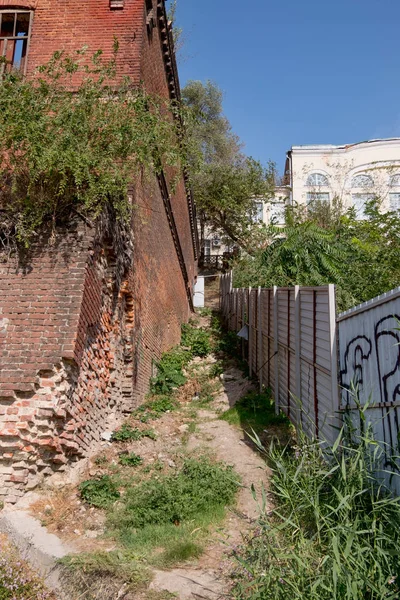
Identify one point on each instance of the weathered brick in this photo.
(76, 347)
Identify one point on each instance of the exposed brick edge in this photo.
(175, 236)
(171, 69)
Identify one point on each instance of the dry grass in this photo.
(189, 390)
(56, 507)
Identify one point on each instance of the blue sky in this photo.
(297, 71)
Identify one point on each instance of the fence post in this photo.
(259, 340)
(243, 319)
(276, 349)
(250, 345)
(297, 341)
(334, 355)
(236, 309)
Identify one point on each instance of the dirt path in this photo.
(82, 528)
(207, 579)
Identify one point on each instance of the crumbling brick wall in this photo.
(83, 319)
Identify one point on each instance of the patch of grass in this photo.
(127, 459)
(155, 408)
(197, 340)
(101, 493)
(179, 497)
(155, 542)
(161, 512)
(192, 427)
(101, 460)
(181, 551)
(334, 532)
(254, 412)
(127, 433)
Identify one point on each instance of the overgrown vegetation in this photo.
(199, 486)
(99, 492)
(361, 257)
(170, 371)
(170, 375)
(68, 147)
(334, 531)
(196, 339)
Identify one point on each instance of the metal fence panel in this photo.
(312, 360)
(369, 342)
(291, 348)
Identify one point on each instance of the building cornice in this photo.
(318, 149)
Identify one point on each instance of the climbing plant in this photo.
(74, 137)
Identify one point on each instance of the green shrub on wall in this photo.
(66, 149)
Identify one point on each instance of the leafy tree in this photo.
(224, 181)
(67, 148)
(361, 257)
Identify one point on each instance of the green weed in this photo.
(99, 492)
(170, 371)
(130, 460)
(179, 497)
(101, 460)
(165, 510)
(180, 552)
(197, 340)
(204, 312)
(192, 427)
(216, 369)
(127, 433)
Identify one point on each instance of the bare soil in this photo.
(82, 527)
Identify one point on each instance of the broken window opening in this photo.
(15, 32)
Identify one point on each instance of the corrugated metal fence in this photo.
(311, 359)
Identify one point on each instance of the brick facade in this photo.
(83, 318)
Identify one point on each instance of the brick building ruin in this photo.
(82, 320)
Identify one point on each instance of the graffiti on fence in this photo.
(379, 354)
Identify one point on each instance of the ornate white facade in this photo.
(351, 174)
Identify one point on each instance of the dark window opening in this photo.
(15, 28)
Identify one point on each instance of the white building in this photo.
(351, 174)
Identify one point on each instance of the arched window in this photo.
(395, 181)
(317, 179)
(362, 181)
(15, 29)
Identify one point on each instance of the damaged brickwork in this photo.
(83, 318)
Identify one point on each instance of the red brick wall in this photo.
(79, 329)
(72, 24)
(153, 74)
